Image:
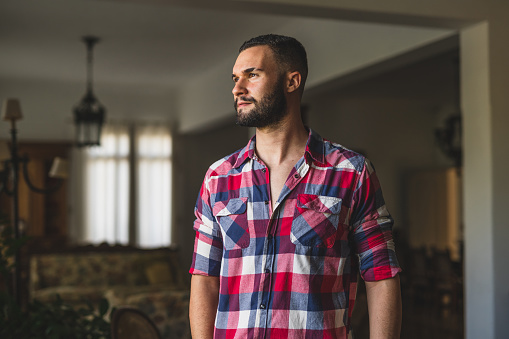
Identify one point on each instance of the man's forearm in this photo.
(203, 306)
(384, 305)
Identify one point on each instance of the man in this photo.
(285, 224)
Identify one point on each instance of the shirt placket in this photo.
(265, 282)
(270, 243)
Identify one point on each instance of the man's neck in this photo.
(286, 142)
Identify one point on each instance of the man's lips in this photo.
(243, 103)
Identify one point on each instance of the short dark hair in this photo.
(289, 52)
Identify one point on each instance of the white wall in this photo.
(499, 87)
(478, 179)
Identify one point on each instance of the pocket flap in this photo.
(232, 206)
(319, 203)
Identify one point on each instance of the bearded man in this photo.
(285, 225)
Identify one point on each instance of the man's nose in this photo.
(239, 88)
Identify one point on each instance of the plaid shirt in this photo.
(291, 273)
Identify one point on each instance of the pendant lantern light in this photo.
(89, 113)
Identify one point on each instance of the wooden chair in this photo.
(131, 323)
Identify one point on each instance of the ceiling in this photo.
(142, 43)
(155, 44)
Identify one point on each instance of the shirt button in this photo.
(264, 170)
(267, 270)
(269, 236)
(266, 202)
(296, 176)
(262, 306)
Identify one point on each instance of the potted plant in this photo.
(53, 320)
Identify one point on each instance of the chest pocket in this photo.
(232, 217)
(316, 220)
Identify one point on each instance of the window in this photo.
(107, 173)
(153, 164)
(127, 186)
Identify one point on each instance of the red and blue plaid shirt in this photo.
(291, 273)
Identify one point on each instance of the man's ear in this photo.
(293, 83)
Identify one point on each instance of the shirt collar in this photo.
(315, 150)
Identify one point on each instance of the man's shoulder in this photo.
(341, 157)
(225, 164)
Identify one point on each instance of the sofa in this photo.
(149, 279)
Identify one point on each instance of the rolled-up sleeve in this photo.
(208, 244)
(372, 229)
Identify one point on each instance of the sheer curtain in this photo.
(126, 186)
(106, 187)
(153, 164)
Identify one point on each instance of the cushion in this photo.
(159, 273)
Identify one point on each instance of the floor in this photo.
(421, 318)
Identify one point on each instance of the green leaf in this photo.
(48, 320)
(103, 307)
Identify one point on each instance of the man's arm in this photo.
(203, 305)
(384, 306)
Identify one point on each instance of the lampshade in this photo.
(59, 168)
(11, 110)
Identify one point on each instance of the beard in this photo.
(269, 111)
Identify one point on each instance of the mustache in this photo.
(244, 98)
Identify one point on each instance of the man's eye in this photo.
(252, 75)
(235, 79)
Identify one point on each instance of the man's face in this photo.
(258, 94)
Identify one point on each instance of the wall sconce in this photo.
(449, 139)
(10, 165)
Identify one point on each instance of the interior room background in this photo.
(394, 100)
